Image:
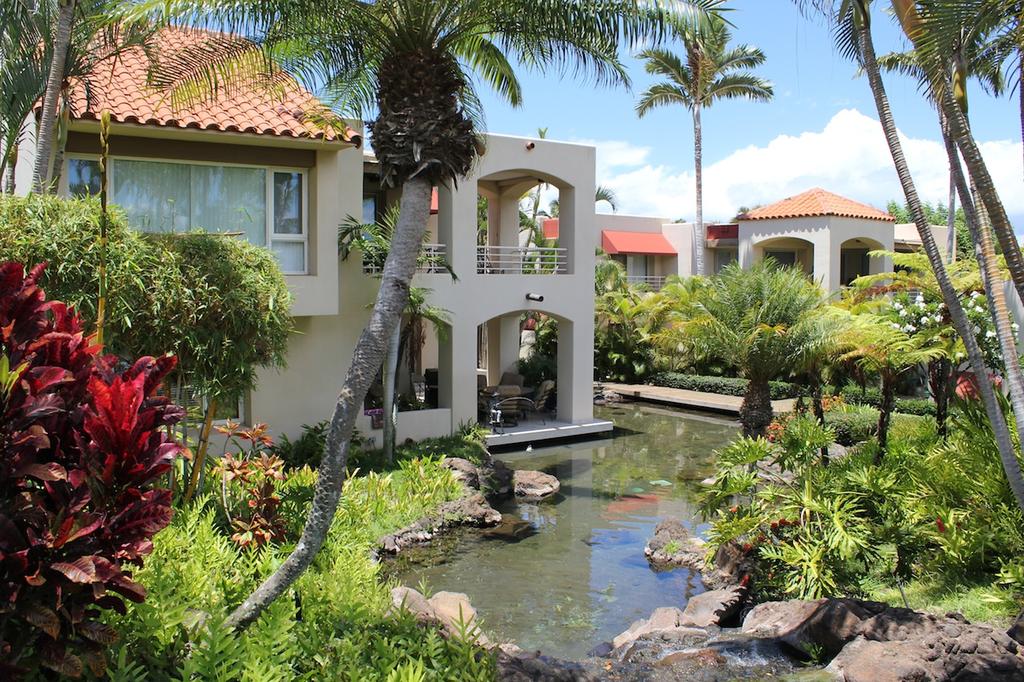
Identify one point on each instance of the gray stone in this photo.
(495, 479)
(408, 599)
(464, 471)
(673, 546)
(715, 607)
(534, 485)
(978, 655)
(664, 618)
(471, 510)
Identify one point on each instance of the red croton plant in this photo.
(83, 448)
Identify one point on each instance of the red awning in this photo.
(551, 228)
(433, 201)
(648, 243)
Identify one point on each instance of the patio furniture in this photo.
(540, 398)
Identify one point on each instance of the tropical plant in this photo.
(709, 71)
(412, 62)
(221, 305)
(84, 445)
(304, 451)
(622, 346)
(851, 20)
(759, 322)
(885, 348)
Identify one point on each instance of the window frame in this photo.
(269, 235)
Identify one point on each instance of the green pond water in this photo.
(574, 574)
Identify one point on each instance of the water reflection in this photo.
(565, 574)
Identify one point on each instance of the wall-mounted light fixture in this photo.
(530, 146)
(535, 297)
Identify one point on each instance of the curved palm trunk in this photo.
(756, 410)
(940, 382)
(988, 196)
(48, 121)
(698, 173)
(366, 360)
(12, 164)
(999, 427)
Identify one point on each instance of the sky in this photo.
(821, 129)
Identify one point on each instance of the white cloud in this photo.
(849, 157)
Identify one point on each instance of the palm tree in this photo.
(880, 348)
(54, 82)
(710, 71)
(757, 321)
(413, 62)
(852, 22)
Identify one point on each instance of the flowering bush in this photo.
(914, 314)
(83, 445)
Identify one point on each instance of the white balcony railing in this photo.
(521, 260)
(433, 259)
(653, 282)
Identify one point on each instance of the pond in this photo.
(574, 574)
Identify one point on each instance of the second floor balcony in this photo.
(521, 260)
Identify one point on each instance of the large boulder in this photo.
(463, 471)
(873, 641)
(715, 607)
(470, 510)
(534, 485)
(952, 653)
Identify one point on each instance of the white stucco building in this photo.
(251, 164)
(827, 235)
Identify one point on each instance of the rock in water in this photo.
(534, 485)
(511, 529)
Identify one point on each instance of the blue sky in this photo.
(821, 129)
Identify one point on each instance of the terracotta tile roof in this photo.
(120, 86)
(817, 202)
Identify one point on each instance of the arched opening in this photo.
(519, 374)
(787, 252)
(525, 223)
(854, 260)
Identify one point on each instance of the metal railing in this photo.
(521, 260)
(432, 260)
(653, 282)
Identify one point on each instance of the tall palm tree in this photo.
(758, 321)
(708, 72)
(851, 20)
(413, 62)
(54, 81)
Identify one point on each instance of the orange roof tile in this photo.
(119, 85)
(817, 202)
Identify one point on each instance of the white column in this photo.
(509, 346)
(575, 369)
(457, 373)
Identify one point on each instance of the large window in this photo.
(266, 206)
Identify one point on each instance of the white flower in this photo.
(895, 325)
(975, 294)
(977, 329)
(903, 313)
(910, 328)
(990, 334)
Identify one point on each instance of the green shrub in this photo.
(780, 390)
(306, 450)
(857, 423)
(220, 304)
(872, 396)
(334, 625)
(467, 446)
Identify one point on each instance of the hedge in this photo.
(858, 424)
(871, 396)
(721, 385)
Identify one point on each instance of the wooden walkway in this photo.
(694, 400)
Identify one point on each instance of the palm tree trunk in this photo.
(977, 170)
(949, 295)
(885, 415)
(756, 410)
(940, 380)
(48, 121)
(389, 377)
(11, 170)
(698, 173)
(366, 360)
(1020, 89)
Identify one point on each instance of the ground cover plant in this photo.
(85, 444)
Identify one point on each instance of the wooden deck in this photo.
(694, 400)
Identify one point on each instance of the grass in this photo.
(979, 603)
